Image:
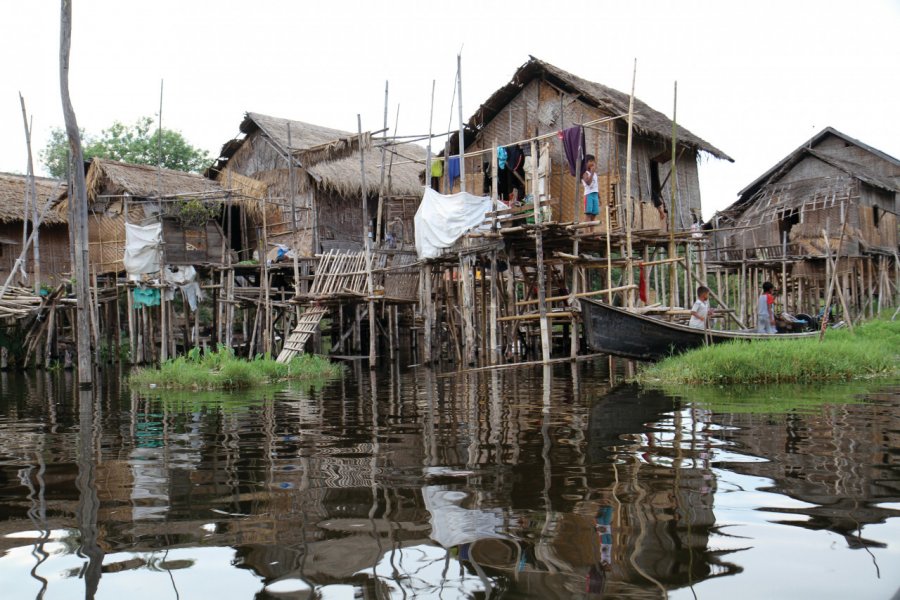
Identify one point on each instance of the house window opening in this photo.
(787, 219)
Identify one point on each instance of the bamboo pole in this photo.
(462, 139)
(78, 202)
(742, 285)
(32, 205)
(370, 284)
(673, 251)
(495, 342)
(611, 290)
(541, 282)
(267, 338)
(533, 317)
(784, 295)
(132, 332)
(608, 253)
(628, 206)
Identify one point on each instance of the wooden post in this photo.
(495, 341)
(609, 297)
(468, 307)
(95, 316)
(673, 182)
(77, 204)
(132, 331)
(462, 139)
(380, 209)
(628, 207)
(428, 299)
(541, 277)
(784, 296)
(267, 338)
(370, 284)
(742, 284)
(33, 205)
(293, 193)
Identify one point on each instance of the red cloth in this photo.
(642, 285)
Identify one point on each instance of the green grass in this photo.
(873, 350)
(222, 370)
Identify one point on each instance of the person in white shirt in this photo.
(591, 188)
(701, 312)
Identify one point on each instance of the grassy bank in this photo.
(872, 350)
(221, 370)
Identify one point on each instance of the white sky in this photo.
(754, 79)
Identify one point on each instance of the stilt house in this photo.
(188, 205)
(323, 165)
(543, 99)
(833, 196)
(53, 234)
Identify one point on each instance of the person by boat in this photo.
(700, 311)
(765, 309)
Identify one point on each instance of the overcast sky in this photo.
(754, 79)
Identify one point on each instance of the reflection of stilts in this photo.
(88, 503)
(373, 462)
(642, 528)
(37, 512)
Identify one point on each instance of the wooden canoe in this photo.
(616, 331)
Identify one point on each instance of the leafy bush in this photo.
(221, 369)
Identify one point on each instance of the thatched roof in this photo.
(808, 148)
(331, 157)
(791, 159)
(647, 121)
(12, 197)
(143, 181)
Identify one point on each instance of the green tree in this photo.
(136, 143)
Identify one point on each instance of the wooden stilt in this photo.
(628, 204)
(541, 276)
(428, 342)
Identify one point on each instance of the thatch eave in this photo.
(330, 157)
(647, 121)
(12, 198)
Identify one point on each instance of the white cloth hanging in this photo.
(441, 220)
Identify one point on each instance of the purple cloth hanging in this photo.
(573, 144)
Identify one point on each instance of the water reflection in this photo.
(540, 483)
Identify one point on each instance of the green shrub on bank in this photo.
(872, 350)
(223, 370)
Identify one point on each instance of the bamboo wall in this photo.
(541, 108)
(840, 148)
(340, 220)
(54, 252)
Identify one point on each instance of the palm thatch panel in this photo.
(331, 158)
(647, 121)
(251, 192)
(112, 178)
(12, 198)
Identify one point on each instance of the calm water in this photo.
(540, 483)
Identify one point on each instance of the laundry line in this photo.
(537, 138)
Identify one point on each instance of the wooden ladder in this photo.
(306, 326)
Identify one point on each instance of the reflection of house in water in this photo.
(840, 458)
(444, 483)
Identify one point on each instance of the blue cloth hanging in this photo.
(453, 170)
(501, 158)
